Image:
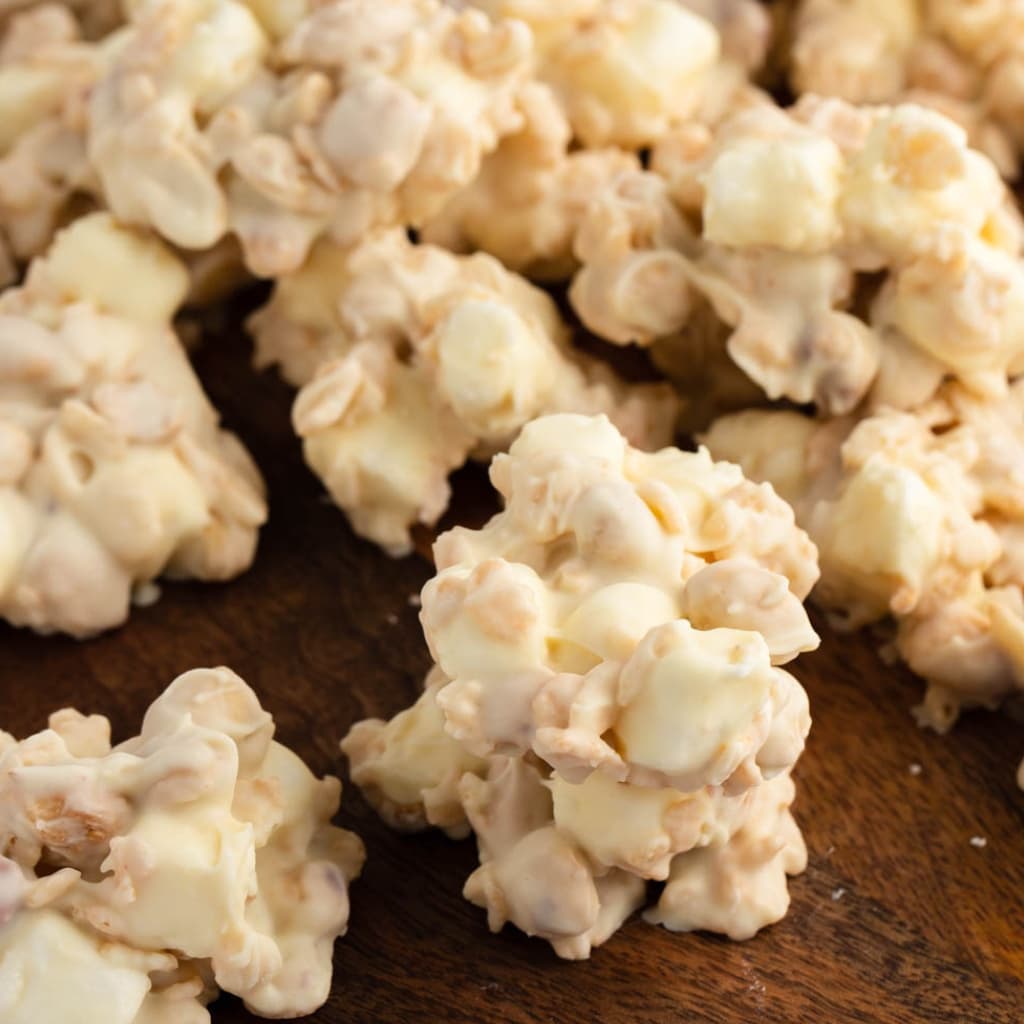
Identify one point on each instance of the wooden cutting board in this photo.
(899, 918)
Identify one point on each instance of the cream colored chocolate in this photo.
(412, 360)
(142, 878)
(113, 468)
(917, 516)
(795, 211)
(363, 114)
(964, 59)
(607, 700)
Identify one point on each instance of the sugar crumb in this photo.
(979, 842)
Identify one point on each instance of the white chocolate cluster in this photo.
(853, 253)
(362, 114)
(961, 58)
(137, 880)
(412, 360)
(608, 706)
(612, 76)
(113, 468)
(918, 516)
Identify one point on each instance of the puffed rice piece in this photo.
(607, 706)
(364, 114)
(197, 855)
(778, 219)
(918, 517)
(412, 360)
(113, 468)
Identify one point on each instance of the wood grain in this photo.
(898, 918)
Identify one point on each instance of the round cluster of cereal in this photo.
(137, 880)
(963, 59)
(113, 467)
(917, 516)
(607, 706)
(411, 360)
(853, 253)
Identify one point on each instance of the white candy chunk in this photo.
(413, 360)
(52, 970)
(576, 721)
(651, 826)
(95, 260)
(695, 703)
(100, 410)
(202, 802)
(624, 80)
(916, 516)
(744, 184)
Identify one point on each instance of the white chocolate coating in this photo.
(607, 697)
(413, 360)
(202, 803)
(100, 411)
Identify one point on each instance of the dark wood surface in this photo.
(897, 919)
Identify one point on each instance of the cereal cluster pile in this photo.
(464, 212)
(607, 705)
(137, 880)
